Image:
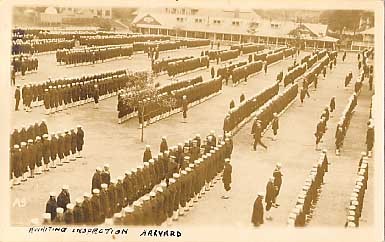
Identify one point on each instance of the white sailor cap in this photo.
(46, 216)
(120, 178)
(79, 200)
(137, 203)
(117, 215)
(188, 169)
(133, 170)
(59, 210)
(30, 141)
(95, 191)
(146, 164)
(152, 194)
(104, 185)
(184, 172)
(127, 172)
(128, 210)
(114, 181)
(65, 187)
(79, 126)
(70, 206)
(301, 201)
(171, 180)
(352, 207)
(16, 146)
(98, 168)
(141, 166)
(187, 157)
(23, 144)
(197, 162)
(87, 194)
(191, 166)
(146, 198)
(148, 146)
(164, 137)
(52, 194)
(355, 203)
(163, 184)
(260, 194)
(292, 215)
(106, 165)
(175, 175)
(159, 189)
(151, 161)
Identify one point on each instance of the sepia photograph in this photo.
(191, 120)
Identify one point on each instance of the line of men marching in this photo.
(164, 187)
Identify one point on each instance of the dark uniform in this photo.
(51, 207)
(257, 216)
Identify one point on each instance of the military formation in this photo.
(24, 64)
(185, 65)
(162, 189)
(40, 45)
(103, 40)
(92, 55)
(33, 150)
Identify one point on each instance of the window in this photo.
(216, 21)
(198, 20)
(236, 23)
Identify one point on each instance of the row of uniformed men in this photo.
(344, 121)
(74, 57)
(237, 114)
(185, 65)
(101, 40)
(114, 80)
(357, 197)
(110, 199)
(24, 64)
(40, 45)
(29, 155)
(24, 134)
(308, 197)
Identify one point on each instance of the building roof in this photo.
(368, 31)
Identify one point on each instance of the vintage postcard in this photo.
(192, 120)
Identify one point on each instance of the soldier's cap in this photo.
(151, 161)
(197, 162)
(46, 216)
(120, 178)
(260, 194)
(175, 175)
(163, 184)
(292, 216)
(67, 131)
(160, 155)
(152, 194)
(87, 194)
(146, 164)
(95, 191)
(59, 210)
(188, 169)
(104, 185)
(148, 146)
(351, 213)
(45, 136)
(16, 146)
(70, 206)
(171, 180)
(300, 201)
(198, 135)
(98, 168)
(167, 152)
(279, 165)
(191, 165)
(299, 206)
(163, 137)
(46, 90)
(227, 160)
(159, 189)
(38, 137)
(355, 203)
(128, 210)
(141, 166)
(352, 207)
(114, 181)
(79, 200)
(79, 126)
(30, 141)
(146, 198)
(133, 170)
(128, 172)
(117, 215)
(137, 203)
(23, 144)
(106, 165)
(65, 187)
(187, 157)
(52, 194)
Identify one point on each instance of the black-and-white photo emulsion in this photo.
(179, 115)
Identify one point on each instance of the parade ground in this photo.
(119, 145)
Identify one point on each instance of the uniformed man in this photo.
(78, 212)
(88, 216)
(97, 212)
(39, 155)
(31, 148)
(120, 193)
(275, 125)
(277, 174)
(212, 72)
(96, 95)
(319, 133)
(184, 107)
(59, 216)
(339, 136)
(46, 151)
(332, 104)
(64, 198)
(69, 214)
(97, 179)
(163, 144)
(53, 150)
(270, 193)
(257, 134)
(79, 141)
(369, 140)
(257, 216)
(226, 178)
(105, 201)
(147, 154)
(17, 97)
(105, 175)
(51, 206)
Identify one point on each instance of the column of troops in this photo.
(228, 55)
(226, 71)
(244, 71)
(237, 115)
(160, 45)
(308, 197)
(185, 65)
(23, 64)
(247, 48)
(344, 122)
(92, 55)
(357, 197)
(100, 40)
(40, 45)
(178, 100)
(164, 187)
(159, 66)
(42, 149)
(128, 101)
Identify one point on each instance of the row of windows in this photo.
(235, 23)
